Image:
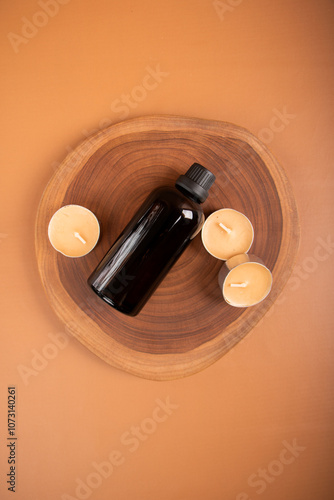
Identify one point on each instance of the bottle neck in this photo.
(188, 194)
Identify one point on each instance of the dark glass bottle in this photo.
(152, 241)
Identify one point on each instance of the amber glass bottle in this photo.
(152, 242)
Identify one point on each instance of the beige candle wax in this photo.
(244, 280)
(227, 232)
(73, 230)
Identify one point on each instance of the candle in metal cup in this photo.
(244, 280)
(73, 231)
(227, 232)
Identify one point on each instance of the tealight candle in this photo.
(227, 232)
(73, 230)
(244, 280)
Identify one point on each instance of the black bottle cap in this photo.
(196, 181)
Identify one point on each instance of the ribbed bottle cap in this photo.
(196, 181)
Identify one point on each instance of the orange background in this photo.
(236, 61)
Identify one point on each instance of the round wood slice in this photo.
(186, 325)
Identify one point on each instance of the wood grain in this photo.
(186, 325)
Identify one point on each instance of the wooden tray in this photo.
(186, 325)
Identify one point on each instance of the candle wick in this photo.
(227, 229)
(238, 285)
(77, 235)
